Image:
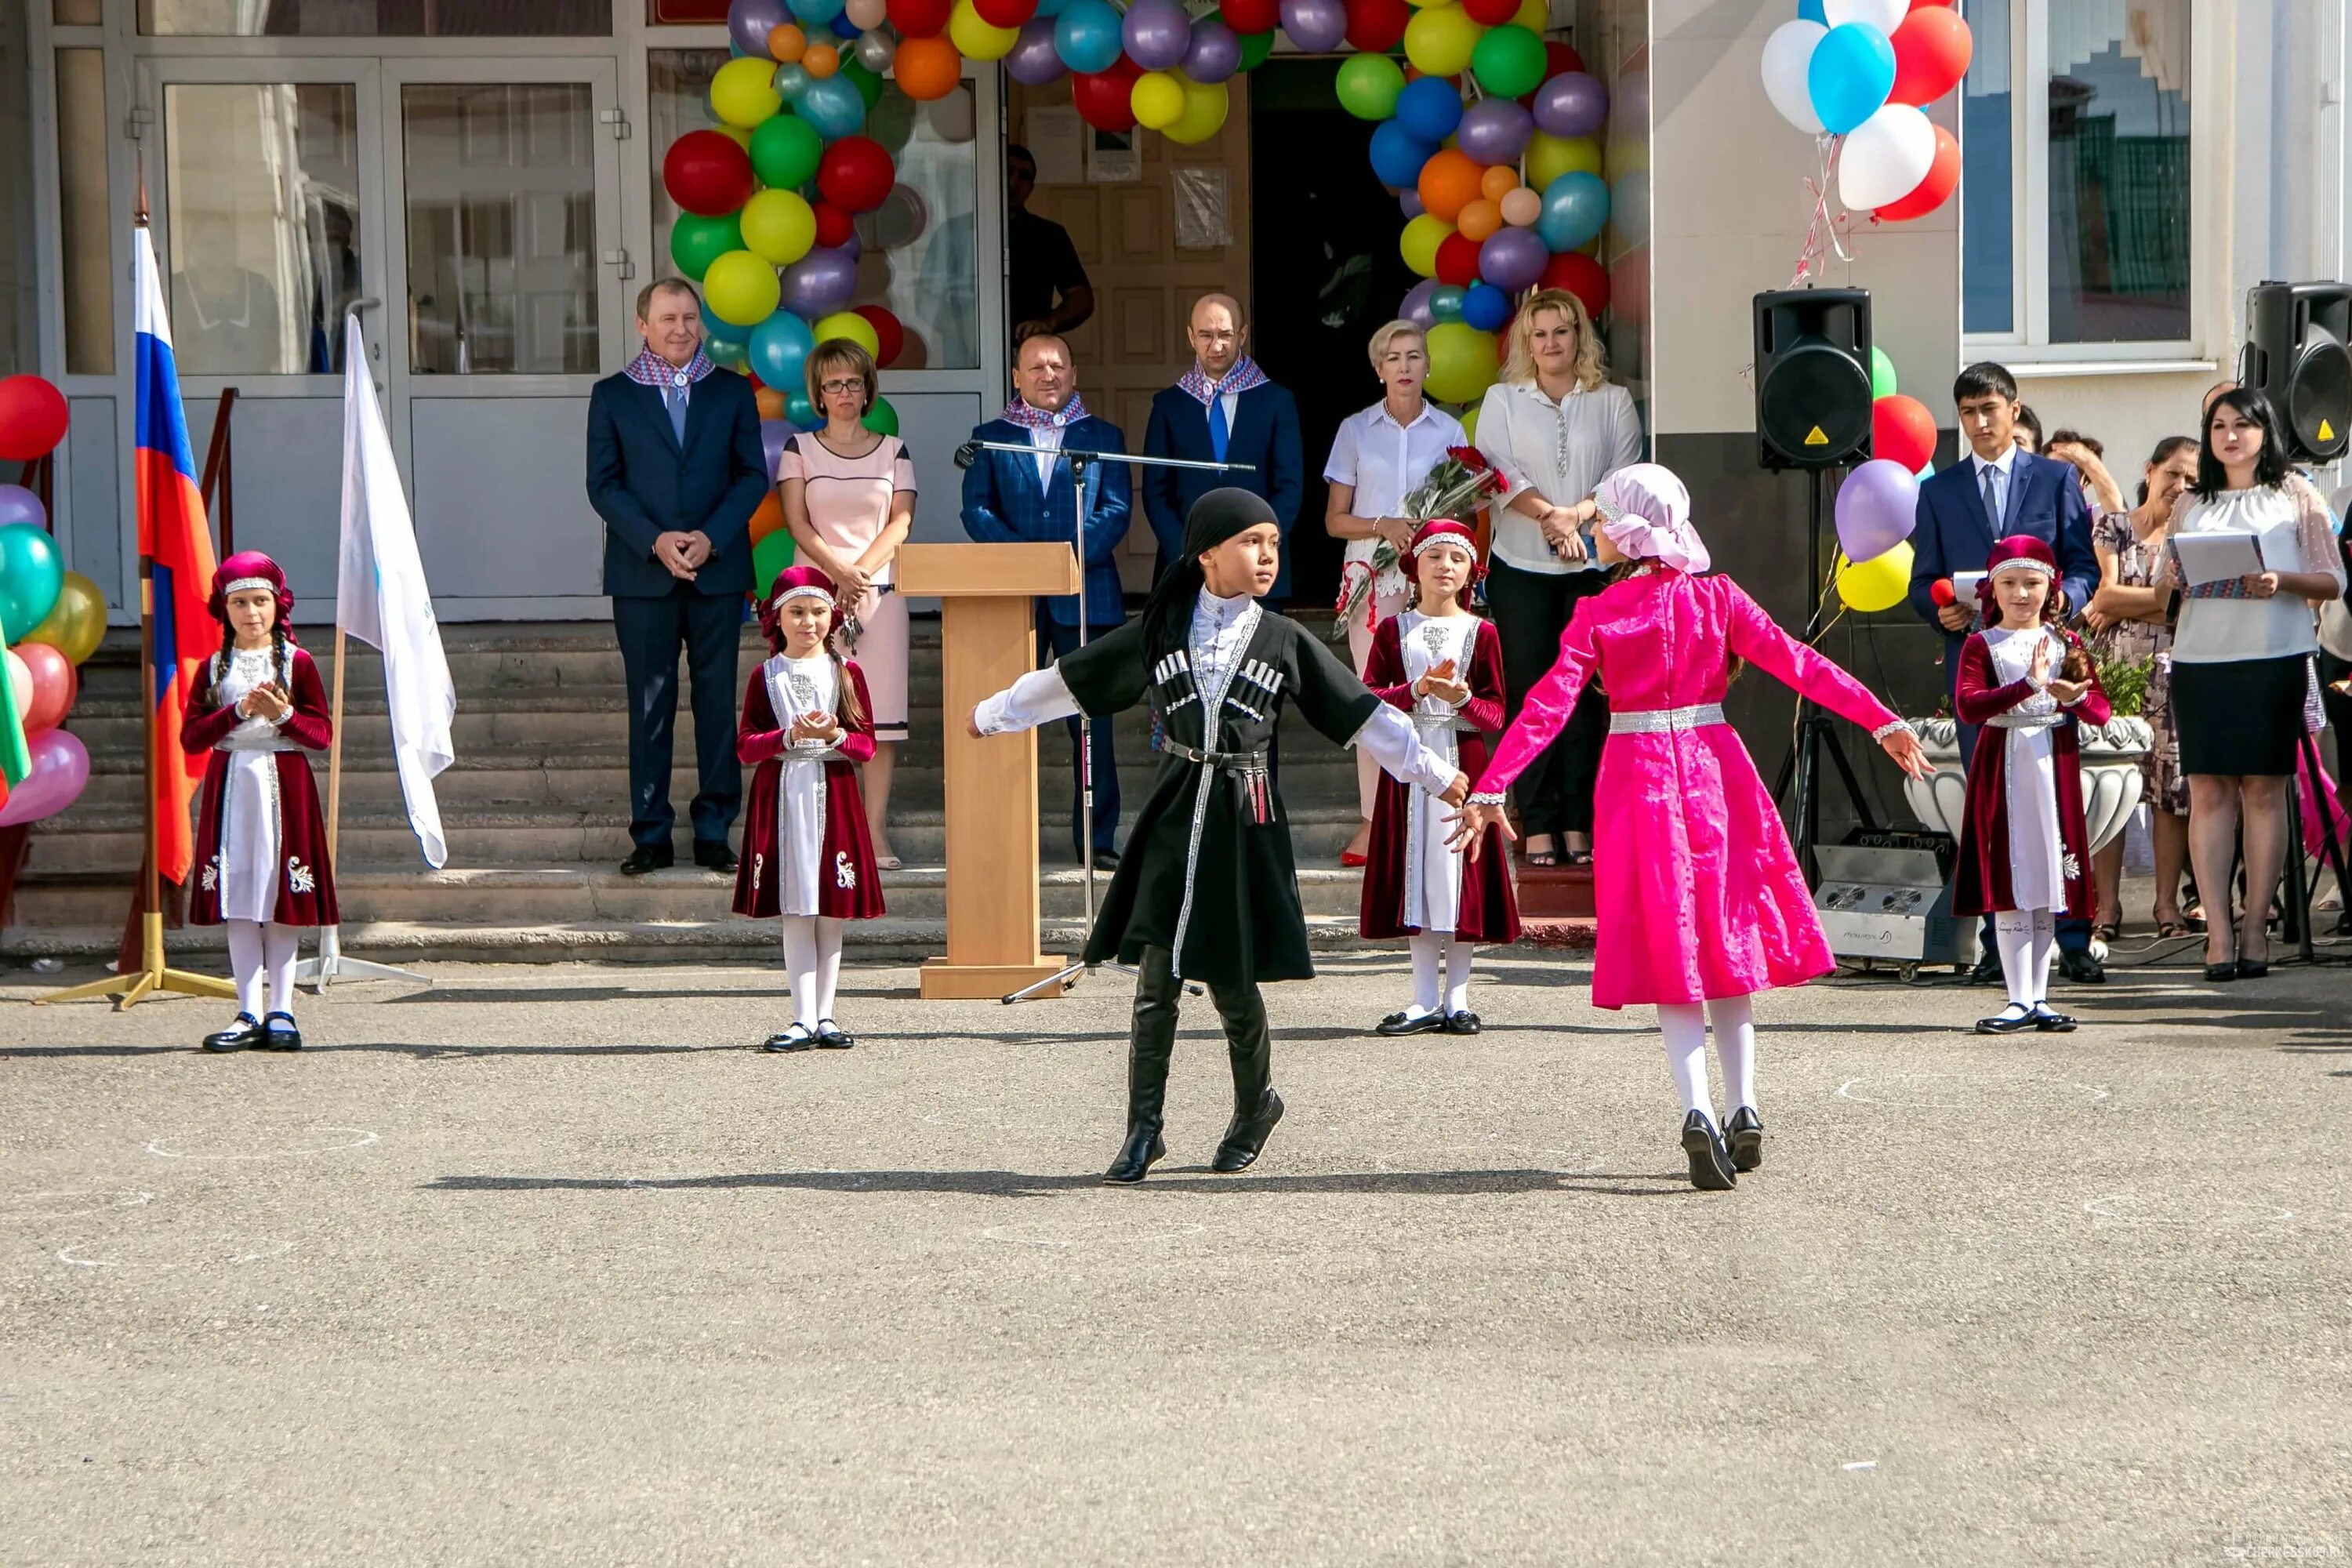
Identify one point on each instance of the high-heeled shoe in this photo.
(1745, 1135)
(1710, 1161)
(2220, 973)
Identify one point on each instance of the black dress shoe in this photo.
(829, 1036)
(2079, 966)
(1710, 1161)
(793, 1039)
(2011, 1020)
(1463, 1022)
(1105, 859)
(2049, 1021)
(2222, 973)
(237, 1036)
(275, 1037)
(1745, 1135)
(1987, 972)
(712, 855)
(647, 857)
(1245, 1136)
(1142, 1149)
(1409, 1024)
(2253, 968)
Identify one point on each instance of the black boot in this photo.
(1745, 1133)
(1152, 1039)
(1710, 1162)
(1250, 1046)
(1247, 1135)
(1142, 1150)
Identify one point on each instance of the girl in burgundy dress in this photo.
(261, 843)
(1443, 665)
(807, 858)
(2025, 853)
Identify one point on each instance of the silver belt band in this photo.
(1428, 724)
(1665, 720)
(2025, 720)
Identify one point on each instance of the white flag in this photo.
(380, 598)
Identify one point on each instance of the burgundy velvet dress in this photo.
(1983, 881)
(244, 755)
(1485, 907)
(816, 790)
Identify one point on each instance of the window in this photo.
(376, 18)
(86, 212)
(2075, 193)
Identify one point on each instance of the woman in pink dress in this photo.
(1700, 899)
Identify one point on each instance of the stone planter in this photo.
(2111, 776)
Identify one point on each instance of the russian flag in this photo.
(177, 542)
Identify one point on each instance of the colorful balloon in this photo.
(1369, 86)
(851, 326)
(1104, 98)
(1849, 74)
(1440, 40)
(1548, 157)
(1512, 259)
(741, 290)
(890, 335)
(75, 623)
(1032, 60)
(1576, 210)
(1249, 18)
(1429, 109)
(54, 685)
(1447, 300)
(1156, 33)
(1881, 584)
(1572, 103)
(1522, 206)
(919, 18)
(1884, 14)
(59, 770)
(750, 23)
(1484, 307)
(1214, 55)
(1156, 100)
(1087, 35)
(882, 419)
(18, 504)
(777, 227)
(818, 284)
(856, 173)
(1496, 130)
(1448, 183)
(1006, 13)
(1397, 155)
(1462, 363)
(775, 431)
(32, 418)
(833, 107)
(771, 555)
(1876, 506)
(705, 172)
(1457, 261)
(1315, 26)
(1788, 64)
(974, 34)
(1932, 50)
(1414, 306)
(1935, 189)
(1882, 374)
(32, 575)
(1206, 107)
(1418, 245)
(1508, 61)
(927, 68)
(1581, 275)
(1376, 26)
(1886, 157)
(778, 349)
(1479, 219)
(1902, 431)
(784, 151)
(744, 93)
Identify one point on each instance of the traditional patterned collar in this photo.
(1241, 378)
(1019, 412)
(649, 369)
(1224, 611)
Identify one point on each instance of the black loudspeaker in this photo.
(1812, 377)
(2296, 354)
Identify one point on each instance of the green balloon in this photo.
(32, 572)
(784, 151)
(882, 419)
(695, 241)
(1508, 61)
(770, 556)
(800, 411)
(868, 85)
(1882, 374)
(1255, 46)
(735, 353)
(1369, 85)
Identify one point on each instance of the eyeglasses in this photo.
(840, 388)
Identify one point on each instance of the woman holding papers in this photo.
(2252, 554)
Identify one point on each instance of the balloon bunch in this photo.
(1878, 503)
(1862, 71)
(52, 619)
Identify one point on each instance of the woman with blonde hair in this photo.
(1554, 426)
(1381, 456)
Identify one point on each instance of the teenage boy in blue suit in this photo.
(1010, 496)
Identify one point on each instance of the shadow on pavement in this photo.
(1017, 1184)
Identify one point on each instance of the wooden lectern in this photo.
(987, 638)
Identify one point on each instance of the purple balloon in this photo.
(1316, 26)
(60, 767)
(1496, 130)
(1571, 104)
(1215, 54)
(1157, 34)
(820, 283)
(1513, 259)
(1034, 61)
(1415, 308)
(1409, 200)
(749, 22)
(774, 434)
(1877, 507)
(18, 504)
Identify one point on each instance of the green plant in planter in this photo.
(2125, 680)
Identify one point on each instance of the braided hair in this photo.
(217, 668)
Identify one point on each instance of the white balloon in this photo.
(1886, 157)
(1884, 14)
(867, 15)
(1788, 54)
(953, 115)
(20, 685)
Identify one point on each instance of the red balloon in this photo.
(1923, 4)
(856, 173)
(1943, 179)
(1931, 55)
(705, 172)
(887, 332)
(53, 686)
(834, 225)
(1558, 57)
(33, 419)
(1457, 261)
(1004, 13)
(1581, 275)
(1105, 98)
(920, 18)
(1491, 13)
(1247, 16)
(1902, 431)
(1376, 26)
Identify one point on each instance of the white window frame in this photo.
(2026, 348)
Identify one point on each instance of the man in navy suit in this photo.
(1225, 410)
(675, 470)
(1013, 496)
(1999, 490)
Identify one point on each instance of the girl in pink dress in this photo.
(1700, 899)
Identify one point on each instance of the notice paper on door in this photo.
(2222, 556)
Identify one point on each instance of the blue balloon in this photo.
(1052, 8)
(792, 83)
(1575, 210)
(800, 411)
(778, 346)
(1484, 306)
(833, 107)
(843, 28)
(729, 351)
(1087, 36)
(1851, 73)
(1446, 301)
(1430, 106)
(1397, 154)
(816, 12)
(1811, 11)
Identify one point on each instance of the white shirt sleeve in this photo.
(1038, 698)
(1388, 738)
(1495, 440)
(1628, 433)
(1340, 469)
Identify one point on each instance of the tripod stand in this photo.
(2297, 903)
(1816, 731)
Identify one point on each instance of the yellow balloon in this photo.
(1470, 425)
(1418, 245)
(1535, 15)
(1550, 157)
(742, 288)
(1439, 40)
(779, 227)
(851, 325)
(1206, 107)
(744, 92)
(1157, 100)
(1461, 362)
(977, 38)
(76, 622)
(1878, 583)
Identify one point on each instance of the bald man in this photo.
(1224, 410)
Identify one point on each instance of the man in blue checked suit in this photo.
(1014, 496)
(1997, 491)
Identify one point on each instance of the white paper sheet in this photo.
(2218, 557)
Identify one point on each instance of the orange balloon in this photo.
(770, 403)
(1478, 219)
(820, 59)
(1499, 182)
(787, 43)
(1449, 181)
(770, 516)
(925, 68)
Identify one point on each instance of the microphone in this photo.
(966, 454)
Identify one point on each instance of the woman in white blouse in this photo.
(1554, 428)
(2241, 664)
(1381, 456)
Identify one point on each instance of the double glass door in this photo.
(467, 214)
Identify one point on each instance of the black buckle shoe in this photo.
(647, 857)
(2013, 1019)
(288, 1038)
(2082, 968)
(1463, 1022)
(829, 1036)
(1246, 1137)
(1141, 1151)
(712, 855)
(1745, 1135)
(1710, 1161)
(2049, 1021)
(1409, 1024)
(244, 1033)
(793, 1039)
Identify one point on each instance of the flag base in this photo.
(331, 965)
(131, 989)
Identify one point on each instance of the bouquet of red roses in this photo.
(1455, 488)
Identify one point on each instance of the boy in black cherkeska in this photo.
(1207, 890)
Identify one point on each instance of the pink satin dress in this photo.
(1697, 891)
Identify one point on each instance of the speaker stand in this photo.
(1816, 731)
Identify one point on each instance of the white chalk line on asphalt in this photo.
(1970, 1093)
(77, 1202)
(2184, 1210)
(361, 1138)
(196, 1253)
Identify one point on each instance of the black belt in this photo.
(1247, 766)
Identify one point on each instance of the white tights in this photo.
(813, 960)
(261, 961)
(1685, 1029)
(2025, 938)
(1429, 949)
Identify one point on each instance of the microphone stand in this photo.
(1080, 459)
